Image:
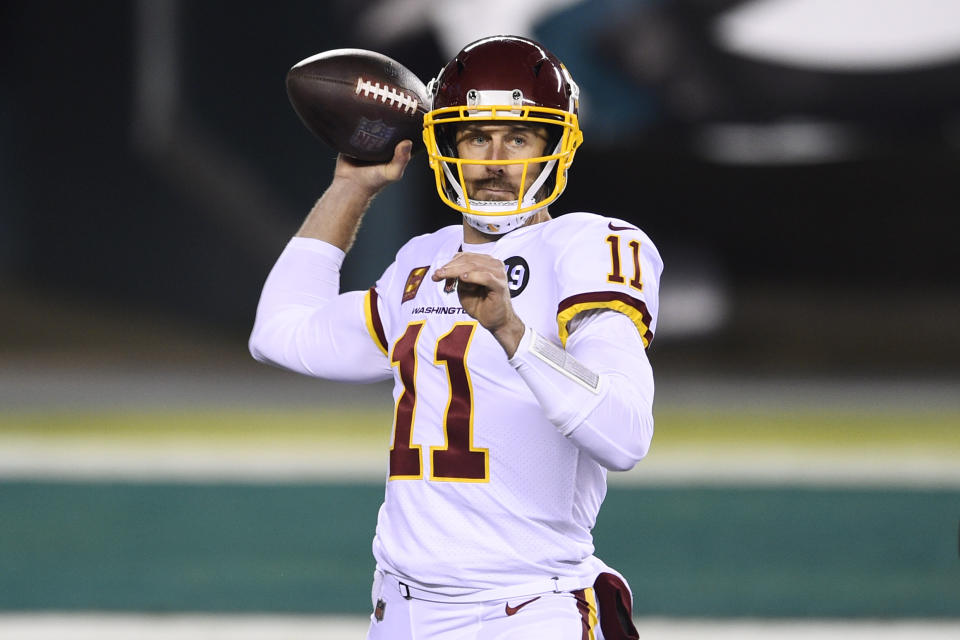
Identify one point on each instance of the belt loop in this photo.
(556, 584)
(405, 591)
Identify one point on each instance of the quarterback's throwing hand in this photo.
(374, 176)
(484, 295)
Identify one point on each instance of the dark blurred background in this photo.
(802, 192)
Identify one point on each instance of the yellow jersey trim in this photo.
(372, 318)
(631, 307)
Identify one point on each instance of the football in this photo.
(361, 103)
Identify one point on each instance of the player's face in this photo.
(499, 141)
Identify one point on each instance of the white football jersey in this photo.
(482, 490)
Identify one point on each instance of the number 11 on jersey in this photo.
(616, 275)
(457, 460)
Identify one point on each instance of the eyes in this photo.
(516, 140)
(481, 141)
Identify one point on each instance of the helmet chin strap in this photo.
(498, 225)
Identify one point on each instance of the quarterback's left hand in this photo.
(484, 295)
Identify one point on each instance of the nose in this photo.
(494, 169)
(495, 152)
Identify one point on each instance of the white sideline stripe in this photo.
(184, 462)
(190, 461)
(783, 466)
(98, 626)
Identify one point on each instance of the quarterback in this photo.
(516, 343)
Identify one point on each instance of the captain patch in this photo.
(414, 280)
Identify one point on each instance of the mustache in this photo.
(495, 182)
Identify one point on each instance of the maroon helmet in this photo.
(503, 78)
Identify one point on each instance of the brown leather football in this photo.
(361, 103)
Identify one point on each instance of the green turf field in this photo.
(719, 551)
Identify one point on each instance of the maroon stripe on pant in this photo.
(583, 606)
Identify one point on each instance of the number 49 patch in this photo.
(518, 275)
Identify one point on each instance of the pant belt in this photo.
(549, 585)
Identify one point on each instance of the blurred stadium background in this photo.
(796, 161)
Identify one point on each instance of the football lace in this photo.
(387, 94)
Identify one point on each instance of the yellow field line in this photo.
(674, 427)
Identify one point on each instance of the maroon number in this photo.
(457, 460)
(615, 275)
(404, 455)
(636, 281)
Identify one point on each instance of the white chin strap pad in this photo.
(496, 225)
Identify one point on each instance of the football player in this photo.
(516, 343)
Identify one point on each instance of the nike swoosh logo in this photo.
(512, 610)
(613, 228)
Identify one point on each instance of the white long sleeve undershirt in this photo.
(305, 325)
